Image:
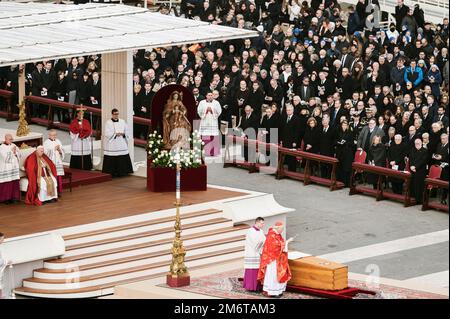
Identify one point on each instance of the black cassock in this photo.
(418, 158)
(345, 150)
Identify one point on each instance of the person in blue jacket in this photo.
(414, 74)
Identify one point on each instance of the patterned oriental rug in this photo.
(227, 285)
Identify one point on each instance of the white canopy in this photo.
(34, 31)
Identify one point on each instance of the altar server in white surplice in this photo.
(254, 243)
(9, 171)
(116, 160)
(54, 150)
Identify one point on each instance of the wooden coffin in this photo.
(318, 273)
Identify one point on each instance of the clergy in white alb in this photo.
(116, 160)
(54, 150)
(209, 111)
(254, 242)
(9, 171)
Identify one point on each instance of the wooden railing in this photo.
(307, 176)
(254, 146)
(8, 112)
(431, 183)
(379, 192)
(55, 105)
(253, 165)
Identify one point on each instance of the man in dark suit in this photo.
(290, 130)
(249, 125)
(48, 81)
(347, 59)
(336, 112)
(367, 133)
(441, 117)
(37, 84)
(95, 91)
(305, 91)
(326, 144)
(401, 10)
(440, 157)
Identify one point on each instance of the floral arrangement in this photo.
(191, 158)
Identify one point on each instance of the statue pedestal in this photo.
(31, 139)
(178, 281)
(162, 179)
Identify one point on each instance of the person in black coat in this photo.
(289, 137)
(312, 136)
(376, 157)
(345, 150)
(418, 158)
(249, 125)
(396, 158)
(95, 91)
(440, 157)
(327, 137)
(256, 98)
(270, 122)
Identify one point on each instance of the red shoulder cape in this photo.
(30, 165)
(273, 250)
(83, 131)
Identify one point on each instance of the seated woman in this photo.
(41, 173)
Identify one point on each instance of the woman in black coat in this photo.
(377, 157)
(312, 136)
(345, 150)
(418, 158)
(396, 158)
(256, 98)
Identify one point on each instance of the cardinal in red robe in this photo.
(41, 174)
(274, 272)
(80, 133)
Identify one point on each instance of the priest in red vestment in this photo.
(41, 174)
(274, 272)
(80, 134)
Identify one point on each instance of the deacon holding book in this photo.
(274, 272)
(80, 134)
(116, 160)
(254, 242)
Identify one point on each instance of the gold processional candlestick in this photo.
(23, 128)
(178, 275)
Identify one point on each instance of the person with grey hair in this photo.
(396, 158)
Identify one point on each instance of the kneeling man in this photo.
(41, 173)
(274, 272)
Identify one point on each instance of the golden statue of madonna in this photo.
(176, 126)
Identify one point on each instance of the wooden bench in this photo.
(431, 183)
